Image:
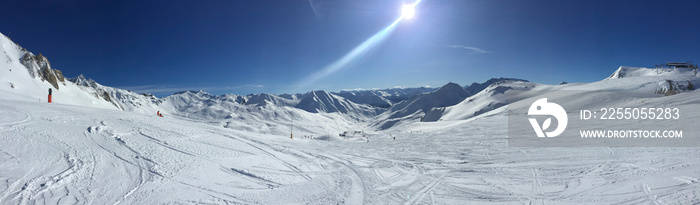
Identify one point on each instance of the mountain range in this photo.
(27, 76)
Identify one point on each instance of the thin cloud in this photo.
(315, 7)
(473, 50)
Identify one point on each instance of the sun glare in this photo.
(408, 11)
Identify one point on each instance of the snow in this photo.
(628, 72)
(322, 101)
(650, 83)
(391, 95)
(415, 107)
(490, 98)
(450, 146)
(367, 97)
(16, 82)
(261, 116)
(73, 154)
(263, 99)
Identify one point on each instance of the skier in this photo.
(49, 95)
(158, 113)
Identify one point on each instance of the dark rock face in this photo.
(670, 87)
(39, 66)
(475, 88)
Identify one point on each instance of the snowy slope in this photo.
(322, 101)
(211, 149)
(263, 99)
(650, 82)
(396, 95)
(201, 105)
(262, 116)
(77, 155)
(26, 76)
(478, 87)
(633, 72)
(368, 97)
(383, 98)
(416, 107)
(490, 98)
(122, 99)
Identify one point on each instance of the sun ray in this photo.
(360, 50)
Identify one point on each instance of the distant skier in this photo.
(158, 113)
(49, 95)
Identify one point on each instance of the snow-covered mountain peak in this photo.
(417, 106)
(11, 50)
(29, 76)
(323, 101)
(475, 87)
(25, 76)
(451, 89)
(500, 87)
(320, 100)
(369, 97)
(83, 81)
(201, 94)
(264, 99)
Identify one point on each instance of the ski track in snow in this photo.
(59, 154)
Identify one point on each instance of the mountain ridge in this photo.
(27, 76)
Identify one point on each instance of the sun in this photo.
(408, 11)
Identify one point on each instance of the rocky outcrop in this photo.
(39, 66)
(475, 87)
(670, 87)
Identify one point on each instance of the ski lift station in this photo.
(688, 64)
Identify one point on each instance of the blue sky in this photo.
(243, 46)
